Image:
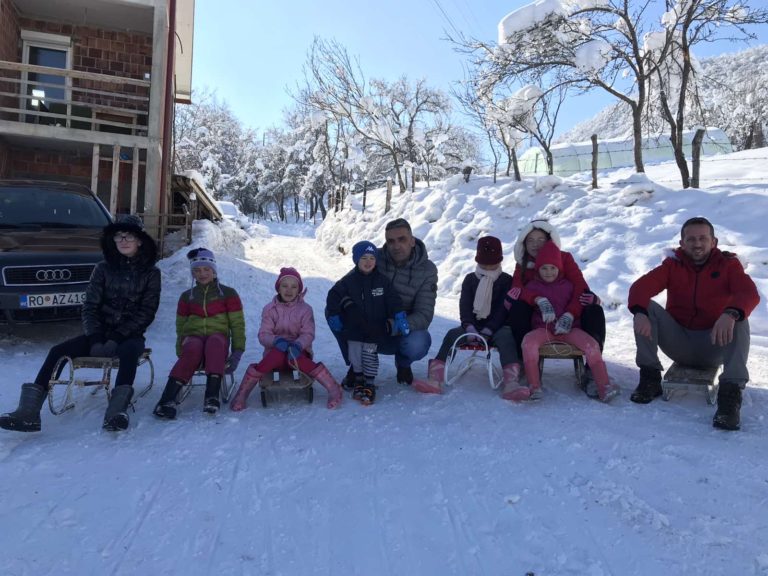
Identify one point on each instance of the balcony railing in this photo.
(82, 100)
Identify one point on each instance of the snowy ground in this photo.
(460, 484)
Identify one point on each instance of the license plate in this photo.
(50, 300)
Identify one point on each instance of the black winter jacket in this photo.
(498, 314)
(123, 294)
(365, 303)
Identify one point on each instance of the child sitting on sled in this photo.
(287, 332)
(481, 311)
(549, 294)
(365, 306)
(209, 317)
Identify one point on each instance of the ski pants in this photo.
(577, 337)
(210, 350)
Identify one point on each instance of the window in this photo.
(46, 93)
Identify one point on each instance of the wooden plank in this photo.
(113, 189)
(135, 180)
(95, 169)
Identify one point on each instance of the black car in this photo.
(49, 245)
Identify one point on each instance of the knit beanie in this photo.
(488, 251)
(200, 257)
(362, 248)
(549, 253)
(284, 273)
(129, 223)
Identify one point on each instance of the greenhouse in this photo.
(570, 158)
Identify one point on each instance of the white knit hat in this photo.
(542, 225)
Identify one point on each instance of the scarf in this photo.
(482, 304)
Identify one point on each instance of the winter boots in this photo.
(649, 386)
(326, 380)
(26, 418)
(211, 404)
(727, 416)
(166, 407)
(116, 416)
(404, 375)
(512, 389)
(251, 378)
(435, 378)
(364, 390)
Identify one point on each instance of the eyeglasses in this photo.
(124, 238)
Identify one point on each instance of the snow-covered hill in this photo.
(460, 484)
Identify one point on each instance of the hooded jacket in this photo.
(415, 283)
(697, 296)
(123, 294)
(525, 270)
(293, 321)
(207, 309)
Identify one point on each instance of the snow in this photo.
(459, 484)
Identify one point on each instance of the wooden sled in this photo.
(62, 385)
(291, 381)
(683, 378)
(563, 351)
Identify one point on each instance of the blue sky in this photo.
(250, 52)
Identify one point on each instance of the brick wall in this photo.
(111, 52)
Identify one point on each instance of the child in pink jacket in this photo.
(550, 293)
(287, 332)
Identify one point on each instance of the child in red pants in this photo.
(208, 316)
(287, 332)
(549, 293)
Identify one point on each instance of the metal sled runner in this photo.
(683, 378)
(64, 376)
(480, 350)
(198, 380)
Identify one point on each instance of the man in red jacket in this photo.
(709, 298)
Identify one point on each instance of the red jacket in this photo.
(696, 297)
(570, 272)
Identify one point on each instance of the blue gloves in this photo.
(233, 361)
(564, 323)
(401, 324)
(294, 350)
(487, 332)
(281, 344)
(335, 323)
(471, 331)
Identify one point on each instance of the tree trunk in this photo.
(389, 196)
(637, 137)
(365, 193)
(413, 179)
(516, 166)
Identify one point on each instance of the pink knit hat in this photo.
(289, 272)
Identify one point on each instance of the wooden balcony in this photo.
(86, 107)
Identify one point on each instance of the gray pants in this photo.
(502, 339)
(363, 358)
(693, 347)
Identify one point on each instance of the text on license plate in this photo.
(48, 300)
